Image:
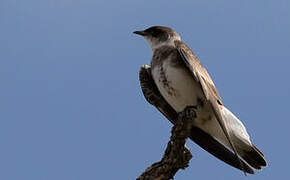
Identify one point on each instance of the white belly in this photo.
(185, 91)
(179, 89)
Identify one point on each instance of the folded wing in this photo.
(200, 137)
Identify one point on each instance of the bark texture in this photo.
(176, 155)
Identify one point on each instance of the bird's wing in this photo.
(203, 139)
(201, 75)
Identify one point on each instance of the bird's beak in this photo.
(141, 33)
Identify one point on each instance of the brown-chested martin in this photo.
(175, 80)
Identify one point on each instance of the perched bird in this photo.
(175, 80)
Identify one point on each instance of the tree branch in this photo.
(176, 155)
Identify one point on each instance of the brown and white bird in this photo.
(175, 80)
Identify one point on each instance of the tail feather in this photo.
(254, 158)
(258, 151)
(214, 147)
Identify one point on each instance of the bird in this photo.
(175, 80)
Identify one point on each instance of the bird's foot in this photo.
(188, 114)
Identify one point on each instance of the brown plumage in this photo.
(207, 142)
(179, 80)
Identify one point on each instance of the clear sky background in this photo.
(71, 107)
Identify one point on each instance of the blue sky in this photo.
(70, 102)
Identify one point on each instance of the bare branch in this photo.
(176, 155)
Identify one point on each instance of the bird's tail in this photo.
(250, 153)
(254, 157)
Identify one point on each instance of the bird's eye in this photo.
(156, 33)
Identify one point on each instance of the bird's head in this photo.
(158, 36)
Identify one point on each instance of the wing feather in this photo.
(201, 75)
(203, 139)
